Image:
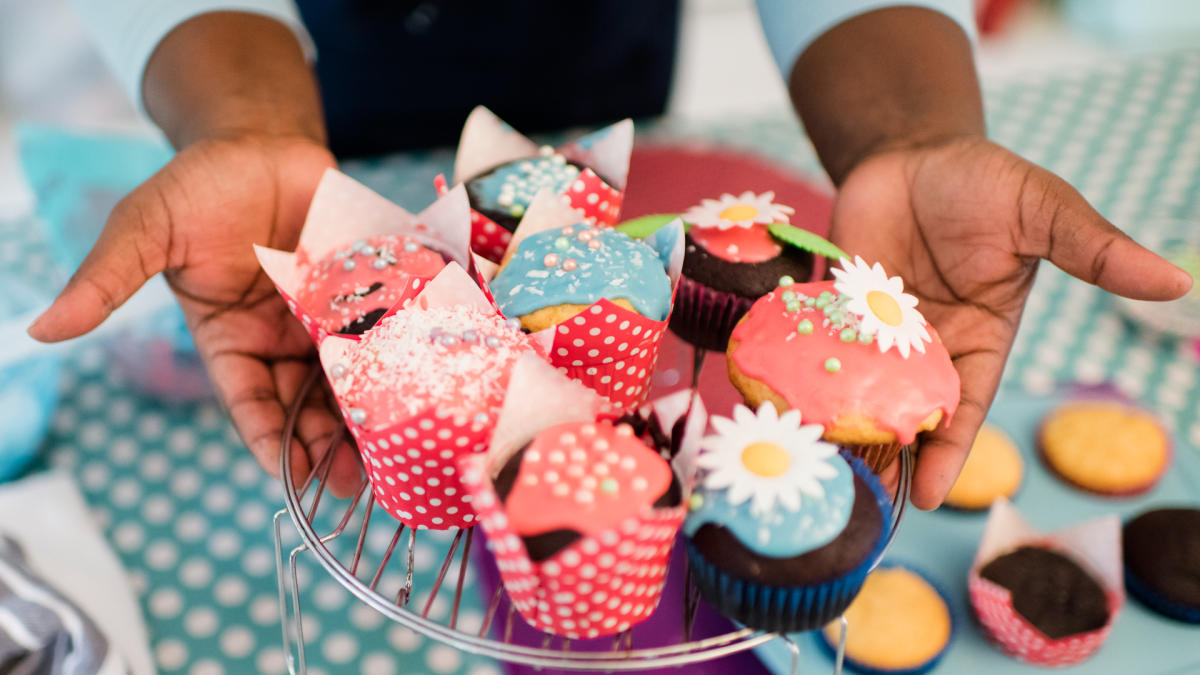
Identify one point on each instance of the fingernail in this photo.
(37, 329)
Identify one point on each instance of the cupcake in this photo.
(900, 624)
(359, 255)
(422, 388)
(350, 289)
(782, 529)
(1161, 549)
(731, 260)
(581, 514)
(854, 354)
(1105, 447)
(555, 274)
(993, 469)
(602, 297)
(503, 171)
(1046, 599)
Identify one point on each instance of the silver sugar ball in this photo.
(349, 265)
(470, 336)
(481, 418)
(448, 340)
(513, 323)
(358, 415)
(338, 371)
(492, 342)
(358, 245)
(380, 264)
(368, 250)
(411, 247)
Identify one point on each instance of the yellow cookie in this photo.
(993, 469)
(898, 622)
(1105, 447)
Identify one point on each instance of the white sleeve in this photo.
(127, 31)
(792, 25)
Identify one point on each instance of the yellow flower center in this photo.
(765, 459)
(885, 307)
(738, 213)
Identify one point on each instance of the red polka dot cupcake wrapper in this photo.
(611, 350)
(343, 211)
(600, 585)
(413, 467)
(1095, 545)
(599, 201)
(487, 238)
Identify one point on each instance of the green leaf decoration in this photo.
(640, 228)
(805, 240)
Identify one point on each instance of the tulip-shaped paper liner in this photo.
(604, 581)
(344, 211)
(488, 142)
(412, 465)
(1094, 545)
(609, 348)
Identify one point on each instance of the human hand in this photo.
(965, 223)
(196, 221)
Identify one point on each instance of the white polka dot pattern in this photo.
(413, 467)
(993, 606)
(599, 201)
(611, 350)
(487, 238)
(597, 586)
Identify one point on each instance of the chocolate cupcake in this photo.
(504, 192)
(782, 529)
(731, 260)
(1050, 591)
(1161, 549)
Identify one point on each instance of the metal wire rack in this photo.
(494, 639)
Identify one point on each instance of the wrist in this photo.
(891, 79)
(228, 75)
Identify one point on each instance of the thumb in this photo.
(1059, 225)
(131, 249)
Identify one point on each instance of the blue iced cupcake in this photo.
(900, 624)
(782, 529)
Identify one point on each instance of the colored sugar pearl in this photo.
(789, 297)
(570, 265)
(594, 244)
(832, 364)
(805, 327)
(866, 338)
(562, 243)
(550, 260)
(786, 280)
(848, 335)
(695, 501)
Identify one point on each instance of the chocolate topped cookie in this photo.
(1051, 591)
(1161, 549)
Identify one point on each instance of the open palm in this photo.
(965, 223)
(195, 221)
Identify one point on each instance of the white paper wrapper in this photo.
(1095, 545)
(343, 211)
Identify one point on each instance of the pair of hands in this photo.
(963, 221)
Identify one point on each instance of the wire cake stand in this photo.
(348, 565)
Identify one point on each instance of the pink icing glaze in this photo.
(584, 477)
(738, 244)
(336, 296)
(407, 364)
(896, 392)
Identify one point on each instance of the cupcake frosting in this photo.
(857, 345)
(511, 187)
(578, 264)
(346, 287)
(735, 228)
(772, 482)
(455, 359)
(586, 477)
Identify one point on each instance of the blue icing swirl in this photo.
(781, 533)
(511, 187)
(618, 267)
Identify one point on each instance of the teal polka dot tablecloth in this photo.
(189, 512)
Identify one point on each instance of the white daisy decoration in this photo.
(742, 211)
(767, 457)
(883, 309)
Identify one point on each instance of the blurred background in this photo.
(156, 490)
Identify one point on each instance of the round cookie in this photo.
(1161, 550)
(730, 260)
(854, 354)
(782, 529)
(1104, 447)
(350, 289)
(994, 468)
(557, 273)
(900, 624)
